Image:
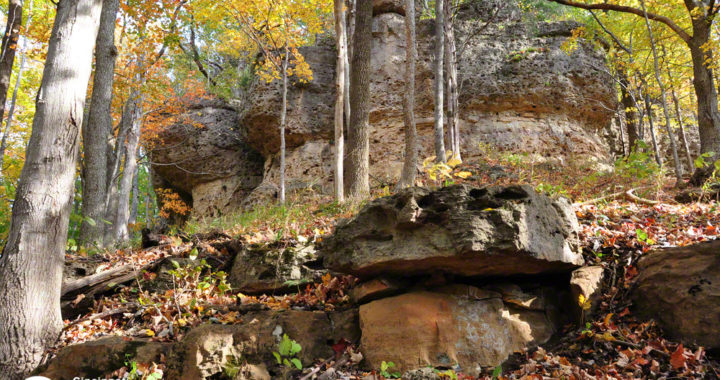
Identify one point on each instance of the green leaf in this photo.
(641, 235)
(277, 357)
(297, 362)
(295, 348)
(193, 254)
(286, 363)
(90, 221)
(497, 372)
(285, 346)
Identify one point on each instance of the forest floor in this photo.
(615, 232)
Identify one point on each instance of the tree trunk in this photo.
(681, 124)
(411, 154)
(707, 100)
(439, 82)
(117, 231)
(31, 265)
(9, 47)
(98, 127)
(283, 117)
(663, 96)
(358, 155)
(18, 81)
(648, 110)
(629, 106)
(340, 95)
(453, 109)
(135, 197)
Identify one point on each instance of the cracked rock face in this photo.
(459, 230)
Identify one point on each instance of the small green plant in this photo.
(286, 355)
(447, 374)
(386, 368)
(232, 367)
(551, 190)
(497, 372)
(136, 374)
(639, 164)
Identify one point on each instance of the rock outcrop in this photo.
(207, 350)
(456, 325)
(680, 289)
(431, 264)
(460, 230)
(519, 90)
(205, 158)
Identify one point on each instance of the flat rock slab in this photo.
(461, 230)
(680, 288)
(460, 325)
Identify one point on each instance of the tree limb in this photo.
(625, 9)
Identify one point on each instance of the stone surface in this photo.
(587, 281)
(519, 91)
(206, 349)
(455, 325)
(204, 157)
(680, 289)
(492, 231)
(375, 289)
(101, 357)
(269, 269)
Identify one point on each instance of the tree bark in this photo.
(31, 265)
(629, 106)
(135, 197)
(117, 231)
(681, 124)
(439, 81)
(9, 47)
(98, 127)
(453, 108)
(18, 81)
(409, 170)
(663, 96)
(283, 118)
(358, 155)
(340, 97)
(656, 149)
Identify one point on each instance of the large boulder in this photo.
(456, 325)
(203, 156)
(680, 288)
(465, 231)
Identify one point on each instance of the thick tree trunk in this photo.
(453, 108)
(18, 81)
(663, 96)
(411, 154)
(98, 127)
(9, 46)
(707, 97)
(651, 123)
(283, 118)
(439, 81)
(340, 97)
(31, 265)
(358, 155)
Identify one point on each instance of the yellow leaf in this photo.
(463, 175)
(453, 162)
(149, 332)
(581, 300)
(607, 318)
(608, 336)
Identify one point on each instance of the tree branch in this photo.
(625, 9)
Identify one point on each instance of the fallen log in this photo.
(105, 279)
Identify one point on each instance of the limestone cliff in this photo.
(519, 91)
